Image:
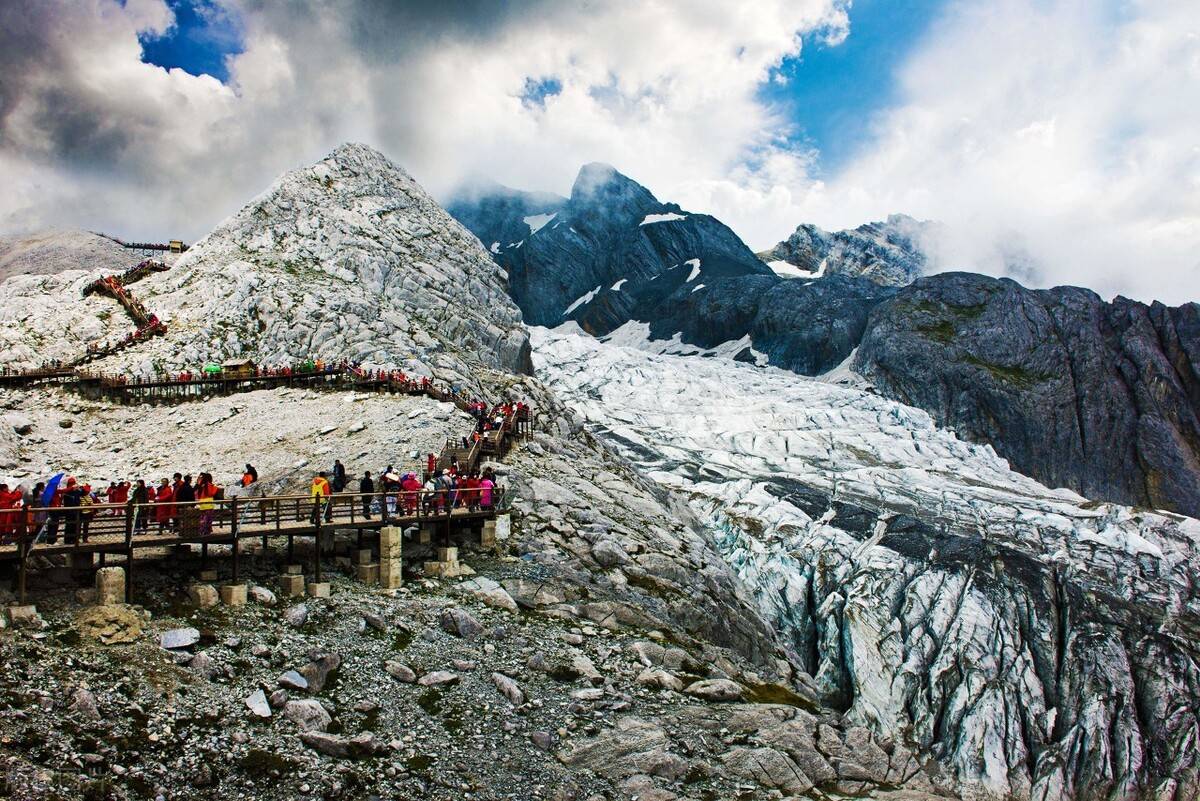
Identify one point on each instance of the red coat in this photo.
(164, 508)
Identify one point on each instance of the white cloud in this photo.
(664, 91)
(1062, 134)
(1056, 130)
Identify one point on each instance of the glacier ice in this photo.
(1039, 644)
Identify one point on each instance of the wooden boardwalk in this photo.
(124, 529)
(107, 529)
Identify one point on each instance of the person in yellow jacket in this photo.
(320, 492)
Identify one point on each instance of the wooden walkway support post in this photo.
(129, 552)
(233, 533)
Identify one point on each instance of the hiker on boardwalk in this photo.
(249, 475)
(141, 506)
(206, 493)
(10, 502)
(366, 487)
(486, 486)
(339, 476)
(391, 485)
(412, 492)
(164, 509)
(320, 492)
(430, 465)
(185, 509)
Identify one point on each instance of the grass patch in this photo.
(1010, 375)
(942, 331)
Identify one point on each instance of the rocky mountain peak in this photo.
(347, 258)
(601, 186)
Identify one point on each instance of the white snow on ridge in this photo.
(537, 222)
(617, 286)
(495, 248)
(586, 298)
(695, 269)
(657, 218)
(697, 287)
(786, 269)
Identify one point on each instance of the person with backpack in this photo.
(320, 492)
(206, 493)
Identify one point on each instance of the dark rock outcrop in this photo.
(887, 252)
(610, 254)
(1099, 397)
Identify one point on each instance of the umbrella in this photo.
(51, 488)
(212, 368)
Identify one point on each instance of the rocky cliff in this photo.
(347, 258)
(603, 650)
(1100, 397)
(610, 254)
(889, 253)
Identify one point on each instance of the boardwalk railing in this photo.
(124, 528)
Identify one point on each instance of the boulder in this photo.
(715, 690)
(179, 638)
(308, 714)
(460, 623)
(509, 689)
(438, 678)
(256, 702)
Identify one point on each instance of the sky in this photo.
(1051, 140)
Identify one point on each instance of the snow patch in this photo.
(586, 298)
(537, 222)
(495, 248)
(658, 218)
(697, 287)
(695, 269)
(617, 286)
(786, 269)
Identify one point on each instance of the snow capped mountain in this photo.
(1036, 642)
(888, 253)
(610, 254)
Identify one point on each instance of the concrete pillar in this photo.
(391, 544)
(294, 570)
(318, 589)
(367, 574)
(110, 586)
(364, 556)
(208, 575)
(233, 594)
(291, 585)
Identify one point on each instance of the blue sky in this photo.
(830, 91)
(203, 35)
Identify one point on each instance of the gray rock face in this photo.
(610, 254)
(346, 259)
(1099, 397)
(808, 327)
(887, 253)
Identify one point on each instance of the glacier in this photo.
(1039, 644)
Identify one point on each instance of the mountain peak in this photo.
(599, 182)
